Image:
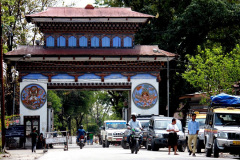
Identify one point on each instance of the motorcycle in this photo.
(135, 136)
(80, 142)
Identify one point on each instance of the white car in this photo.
(112, 132)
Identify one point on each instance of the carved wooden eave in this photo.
(76, 28)
(76, 75)
(102, 75)
(128, 75)
(91, 86)
(109, 66)
(49, 75)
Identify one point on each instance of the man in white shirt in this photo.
(134, 123)
(172, 128)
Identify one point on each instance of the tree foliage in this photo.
(213, 71)
(180, 26)
(16, 30)
(56, 105)
(204, 21)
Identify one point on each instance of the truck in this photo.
(112, 132)
(222, 127)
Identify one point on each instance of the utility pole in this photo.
(2, 84)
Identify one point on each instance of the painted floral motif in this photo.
(33, 96)
(145, 96)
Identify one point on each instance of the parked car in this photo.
(222, 133)
(201, 118)
(158, 136)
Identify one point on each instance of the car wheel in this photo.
(103, 144)
(154, 146)
(107, 143)
(198, 146)
(182, 148)
(124, 144)
(148, 146)
(208, 151)
(215, 149)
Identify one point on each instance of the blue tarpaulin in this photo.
(224, 99)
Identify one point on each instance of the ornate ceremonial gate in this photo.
(88, 48)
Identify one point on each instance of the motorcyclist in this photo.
(134, 123)
(81, 132)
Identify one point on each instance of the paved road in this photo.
(92, 152)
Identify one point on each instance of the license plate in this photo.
(236, 142)
(119, 139)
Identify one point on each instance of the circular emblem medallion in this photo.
(33, 96)
(145, 96)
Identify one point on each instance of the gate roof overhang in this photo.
(138, 53)
(88, 14)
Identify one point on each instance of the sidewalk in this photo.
(26, 154)
(22, 154)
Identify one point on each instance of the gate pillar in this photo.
(33, 106)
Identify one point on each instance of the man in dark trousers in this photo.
(34, 136)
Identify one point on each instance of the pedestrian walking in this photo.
(88, 138)
(34, 136)
(172, 128)
(91, 138)
(193, 128)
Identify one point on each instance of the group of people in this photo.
(38, 142)
(193, 129)
(172, 128)
(88, 137)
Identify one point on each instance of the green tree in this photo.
(204, 21)
(75, 105)
(213, 71)
(56, 104)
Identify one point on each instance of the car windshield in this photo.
(201, 122)
(144, 123)
(116, 125)
(162, 124)
(227, 119)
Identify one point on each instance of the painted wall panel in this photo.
(72, 41)
(34, 76)
(89, 76)
(94, 42)
(61, 41)
(105, 42)
(143, 76)
(116, 42)
(62, 76)
(115, 76)
(50, 41)
(127, 42)
(83, 41)
(141, 103)
(42, 112)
